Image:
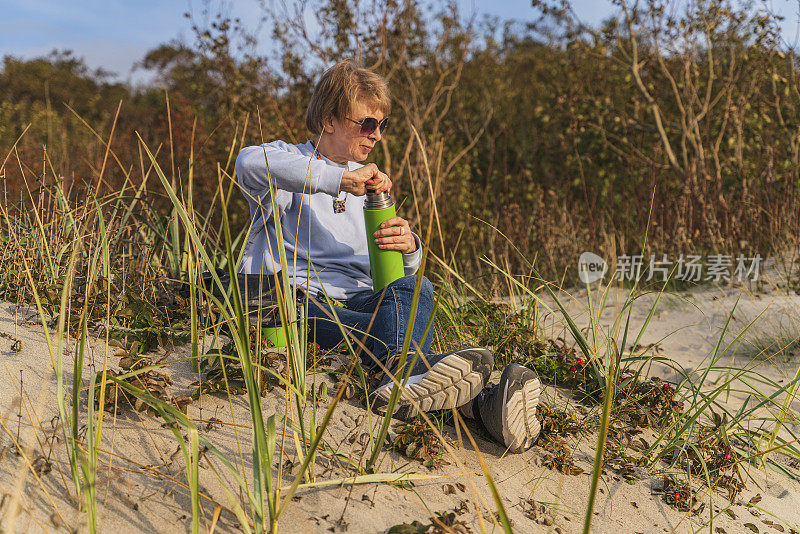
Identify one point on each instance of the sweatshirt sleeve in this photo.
(289, 169)
(412, 260)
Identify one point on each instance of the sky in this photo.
(115, 34)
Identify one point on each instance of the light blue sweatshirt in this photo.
(330, 248)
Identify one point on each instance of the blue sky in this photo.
(114, 34)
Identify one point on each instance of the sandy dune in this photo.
(141, 480)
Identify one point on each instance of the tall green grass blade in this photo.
(57, 359)
(193, 477)
(242, 340)
(605, 418)
(89, 462)
(498, 500)
(397, 387)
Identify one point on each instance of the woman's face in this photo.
(343, 140)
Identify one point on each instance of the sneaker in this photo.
(508, 410)
(439, 381)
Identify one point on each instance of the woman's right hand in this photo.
(368, 177)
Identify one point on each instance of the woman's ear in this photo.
(327, 125)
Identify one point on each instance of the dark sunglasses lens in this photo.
(369, 125)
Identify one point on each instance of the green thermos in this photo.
(274, 334)
(272, 326)
(386, 265)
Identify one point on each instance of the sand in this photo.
(141, 486)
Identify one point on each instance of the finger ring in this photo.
(402, 230)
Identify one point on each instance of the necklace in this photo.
(338, 205)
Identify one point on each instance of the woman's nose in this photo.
(376, 135)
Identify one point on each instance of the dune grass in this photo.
(112, 259)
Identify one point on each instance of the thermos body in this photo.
(386, 265)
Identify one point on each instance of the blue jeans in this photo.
(392, 314)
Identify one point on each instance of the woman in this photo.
(320, 189)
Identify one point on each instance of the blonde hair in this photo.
(339, 89)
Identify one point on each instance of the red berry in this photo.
(677, 496)
(573, 369)
(728, 457)
(665, 387)
(579, 360)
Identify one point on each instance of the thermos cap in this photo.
(378, 201)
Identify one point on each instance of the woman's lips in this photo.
(366, 148)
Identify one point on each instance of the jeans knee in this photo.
(407, 283)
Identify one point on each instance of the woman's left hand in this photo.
(395, 234)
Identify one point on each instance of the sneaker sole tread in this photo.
(451, 382)
(520, 425)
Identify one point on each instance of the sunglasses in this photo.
(370, 124)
